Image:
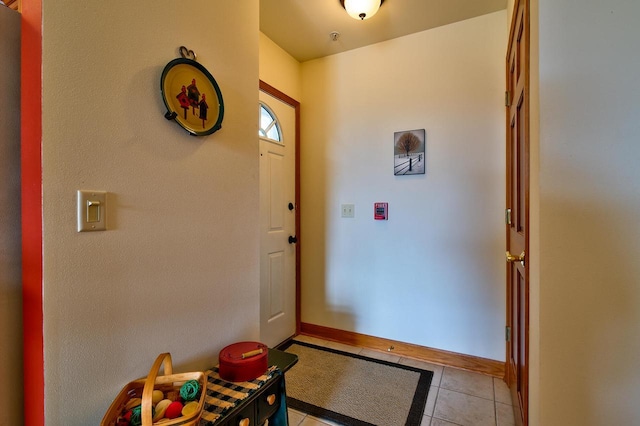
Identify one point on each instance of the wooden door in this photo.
(278, 217)
(517, 213)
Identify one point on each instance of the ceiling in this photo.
(303, 27)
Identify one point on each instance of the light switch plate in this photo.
(348, 210)
(92, 210)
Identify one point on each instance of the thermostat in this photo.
(381, 211)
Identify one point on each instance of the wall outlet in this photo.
(348, 210)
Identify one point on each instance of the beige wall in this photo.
(534, 220)
(10, 257)
(177, 269)
(588, 342)
(107, 295)
(510, 6)
(432, 275)
(279, 69)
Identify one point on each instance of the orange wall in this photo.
(31, 89)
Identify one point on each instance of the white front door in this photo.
(277, 220)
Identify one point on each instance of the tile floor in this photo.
(456, 397)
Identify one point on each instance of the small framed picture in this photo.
(409, 152)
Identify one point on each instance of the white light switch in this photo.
(348, 210)
(92, 210)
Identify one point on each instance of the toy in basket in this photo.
(169, 400)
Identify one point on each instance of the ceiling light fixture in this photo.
(361, 9)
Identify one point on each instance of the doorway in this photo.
(279, 216)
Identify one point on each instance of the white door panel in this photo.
(277, 223)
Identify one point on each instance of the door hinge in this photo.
(507, 333)
(507, 216)
(507, 99)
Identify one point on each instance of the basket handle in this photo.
(163, 360)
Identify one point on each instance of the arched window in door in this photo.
(269, 124)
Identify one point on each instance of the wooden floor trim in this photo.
(435, 356)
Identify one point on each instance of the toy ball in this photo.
(157, 396)
(173, 410)
(133, 402)
(173, 395)
(189, 391)
(190, 408)
(136, 416)
(161, 408)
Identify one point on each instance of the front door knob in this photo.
(512, 258)
(293, 239)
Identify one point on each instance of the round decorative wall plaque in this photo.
(192, 96)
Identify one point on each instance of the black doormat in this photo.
(355, 390)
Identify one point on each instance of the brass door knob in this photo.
(512, 258)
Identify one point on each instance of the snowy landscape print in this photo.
(408, 152)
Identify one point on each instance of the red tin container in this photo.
(243, 361)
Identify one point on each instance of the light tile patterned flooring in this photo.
(456, 397)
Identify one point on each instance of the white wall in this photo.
(589, 343)
(433, 274)
(177, 269)
(10, 235)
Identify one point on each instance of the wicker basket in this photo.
(143, 388)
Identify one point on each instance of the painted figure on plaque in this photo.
(194, 95)
(184, 101)
(203, 109)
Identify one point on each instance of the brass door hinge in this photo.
(507, 99)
